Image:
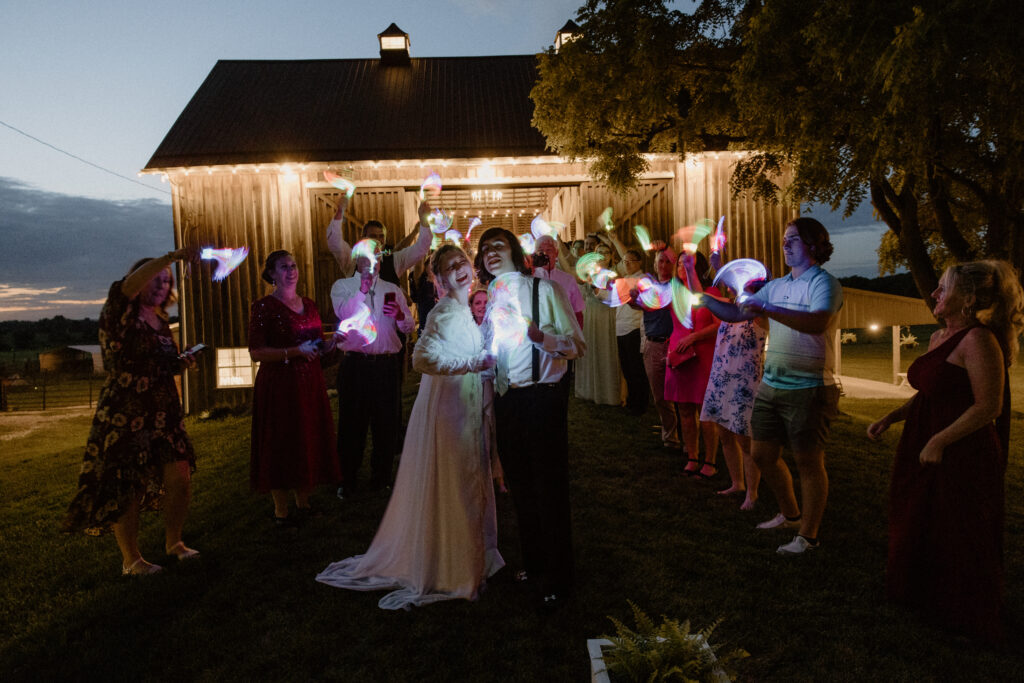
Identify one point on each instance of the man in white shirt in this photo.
(546, 268)
(531, 406)
(369, 374)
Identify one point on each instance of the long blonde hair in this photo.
(996, 299)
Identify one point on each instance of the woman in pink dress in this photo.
(691, 353)
(293, 444)
(946, 507)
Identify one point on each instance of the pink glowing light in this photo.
(361, 324)
(431, 187)
(718, 241)
(227, 260)
(653, 294)
(473, 222)
(739, 273)
(643, 237)
(343, 184)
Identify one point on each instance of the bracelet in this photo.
(286, 355)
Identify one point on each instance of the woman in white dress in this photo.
(438, 538)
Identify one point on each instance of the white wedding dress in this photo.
(438, 538)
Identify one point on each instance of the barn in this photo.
(245, 162)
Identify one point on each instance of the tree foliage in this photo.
(914, 106)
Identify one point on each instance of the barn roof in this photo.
(332, 110)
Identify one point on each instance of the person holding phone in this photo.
(292, 446)
(370, 369)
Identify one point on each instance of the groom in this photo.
(531, 407)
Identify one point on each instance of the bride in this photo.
(438, 538)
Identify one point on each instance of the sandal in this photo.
(180, 551)
(140, 568)
(701, 475)
(695, 472)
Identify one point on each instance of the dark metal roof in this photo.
(356, 109)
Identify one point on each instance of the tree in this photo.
(916, 107)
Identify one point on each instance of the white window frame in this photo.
(235, 369)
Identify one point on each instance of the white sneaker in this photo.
(798, 546)
(780, 521)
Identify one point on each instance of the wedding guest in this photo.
(598, 377)
(478, 305)
(946, 503)
(627, 340)
(437, 540)
(138, 455)
(691, 351)
(798, 395)
(293, 443)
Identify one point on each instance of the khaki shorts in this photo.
(798, 417)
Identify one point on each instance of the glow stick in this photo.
(739, 273)
(367, 249)
(508, 326)
(361, 323)
(643, 237)
(606, 219)
(431, 187)
(453, 236)
(718, 241)
(682, 302)
(473, 222)
(588, 265)
(692, 235)
(527, 242)
(227, 260)
(654, 294)
(440, 221)
(343, 184)
(540, 227)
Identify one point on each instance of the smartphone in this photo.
(195, 349)
(389, 298)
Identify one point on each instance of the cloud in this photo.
(73, 245)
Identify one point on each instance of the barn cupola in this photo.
(565, 34)
(394, 46)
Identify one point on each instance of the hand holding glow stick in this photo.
(343, 184)
(431, 187)
(227, 260)
(718, 241)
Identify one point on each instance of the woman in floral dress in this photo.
(138, 456)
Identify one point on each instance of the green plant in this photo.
(667, 652)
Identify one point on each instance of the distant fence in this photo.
(50, 391)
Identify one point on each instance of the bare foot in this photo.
(748, 503)
(731, 490)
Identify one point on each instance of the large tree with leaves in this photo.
(917, 106)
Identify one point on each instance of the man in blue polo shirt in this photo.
(798, 395)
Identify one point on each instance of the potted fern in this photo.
(666, 652)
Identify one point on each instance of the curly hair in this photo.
(815, 236)
(994, 297)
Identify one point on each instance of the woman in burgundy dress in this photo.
(293, 443)
(691, 351)
(946, 499)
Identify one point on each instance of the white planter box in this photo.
(599, 674)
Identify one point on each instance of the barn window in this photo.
(235, 368)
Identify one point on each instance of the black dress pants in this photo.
(533, 444)
(368, 400)
(638, 390)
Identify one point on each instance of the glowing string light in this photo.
(343, 184)
(718, 241)
(366, 249)
(739, 273)
(227, 260)
(360, 323)
(431, 187)
(643, 237)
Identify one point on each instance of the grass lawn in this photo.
(250, 609)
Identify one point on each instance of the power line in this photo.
(84, 161)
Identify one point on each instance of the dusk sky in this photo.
(105, 81)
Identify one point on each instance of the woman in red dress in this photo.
(293, 443)
(691, 351)
(946, 499)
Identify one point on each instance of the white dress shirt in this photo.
(346, 298)
(404, 258)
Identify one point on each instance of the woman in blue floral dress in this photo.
(138, 456)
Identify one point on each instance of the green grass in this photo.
(250, 609)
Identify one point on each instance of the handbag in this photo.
(676, 360)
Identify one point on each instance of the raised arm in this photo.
(408, 253)
(337, 245)
(139, 277)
